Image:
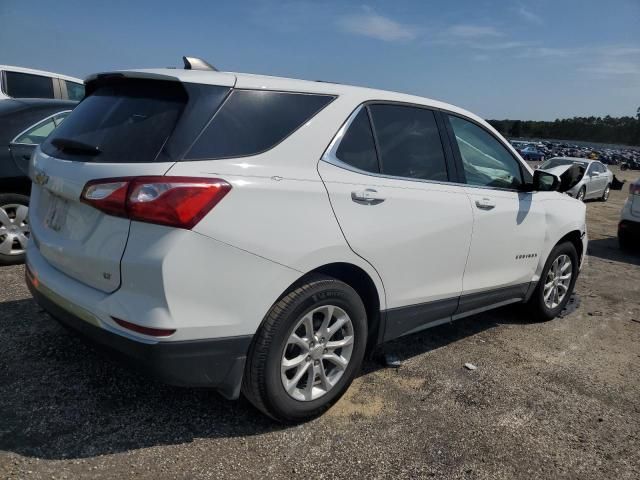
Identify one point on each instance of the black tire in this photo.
(605, 193)
(12, 199)
(262, 383)
(536, 306)
(582, 192)
(624, 241)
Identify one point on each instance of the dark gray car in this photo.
(24, 124)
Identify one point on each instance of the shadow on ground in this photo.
(609, 249)
(60, 398)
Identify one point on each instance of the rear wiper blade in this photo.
(74, 146)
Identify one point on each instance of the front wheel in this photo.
(581, 194)
(556, 282)
(14, 228)
(308, 350)
(605, 194)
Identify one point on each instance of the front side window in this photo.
(253, 121)
(75, 91)
(357, 147)
(26, 85)
(486, 162)
(409, 142)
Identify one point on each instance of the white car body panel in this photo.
(80, 241)
(417, 239)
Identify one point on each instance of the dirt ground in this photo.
(549, 400)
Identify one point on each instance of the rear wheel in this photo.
(605, 194)
(14, 228)
(308, 350)
(556, 283)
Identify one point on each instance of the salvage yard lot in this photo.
(548, 400)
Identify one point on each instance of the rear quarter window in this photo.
(253, 121)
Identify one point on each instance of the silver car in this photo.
(595, 182)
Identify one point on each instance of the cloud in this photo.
(471, 32)
(613, 68)
(528, 15)
(500, 45)
(376, 26)
(548, 52)
(619, 51)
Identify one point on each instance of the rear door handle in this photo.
(368, 196)
(485, 204)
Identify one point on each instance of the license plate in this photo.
(57, 213)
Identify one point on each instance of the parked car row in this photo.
(541, 149)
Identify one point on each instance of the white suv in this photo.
(260, 234)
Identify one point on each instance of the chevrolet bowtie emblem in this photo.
(40, 178)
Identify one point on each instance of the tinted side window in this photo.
(26, 85)
(253, 121)
(409, 142)
(357, 147)
(75, 91)
(486, 161)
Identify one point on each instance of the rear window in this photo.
(124, 122)
(26, 85)
(253, 121)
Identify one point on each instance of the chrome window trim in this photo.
(329, 156)
(13, 142)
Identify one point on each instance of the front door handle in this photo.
(368, 196)
(485, 204)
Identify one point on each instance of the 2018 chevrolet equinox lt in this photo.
(258, 234)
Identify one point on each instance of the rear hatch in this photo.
(124, 127)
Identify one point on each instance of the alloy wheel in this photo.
(317, 353)
(556, 284)
(14, 229)
(605, 196)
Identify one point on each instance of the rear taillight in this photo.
(634, 189)
(174, 201)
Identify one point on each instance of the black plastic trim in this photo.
(403, 320)
(475, 301)
(396, 322)
(217, 363)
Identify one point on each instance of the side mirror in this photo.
(570, 177)
(545, 181)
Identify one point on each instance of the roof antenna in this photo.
(195, 63)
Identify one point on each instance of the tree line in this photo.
(621, 130)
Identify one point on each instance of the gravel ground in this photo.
(559, 399)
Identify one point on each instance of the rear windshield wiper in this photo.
(74, 146)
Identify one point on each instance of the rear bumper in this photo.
(217, 363)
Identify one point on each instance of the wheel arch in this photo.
(358, 279)
(575, 238)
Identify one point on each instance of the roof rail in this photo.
(195, 63)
